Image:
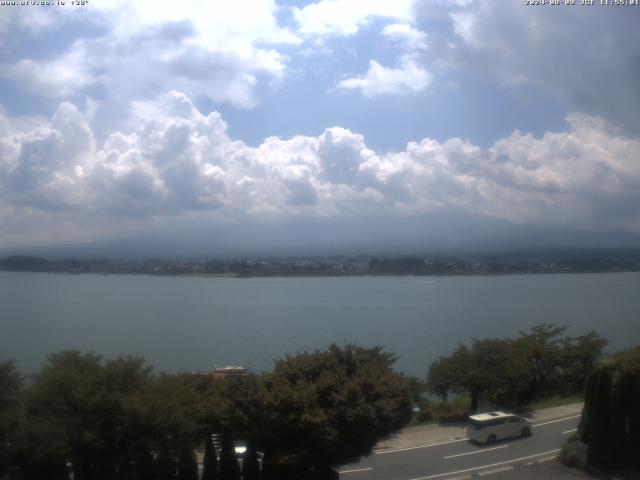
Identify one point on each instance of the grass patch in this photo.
(554, 402)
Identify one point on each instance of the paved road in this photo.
(459, 458)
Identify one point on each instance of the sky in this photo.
(120, 118)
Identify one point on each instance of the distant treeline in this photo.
(563, 262)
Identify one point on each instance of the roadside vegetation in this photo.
(88, 417)
(609, 432)
(97, 418)
(514, 373)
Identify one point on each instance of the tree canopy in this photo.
(10, 386)
(327, 408)
(97, 418)
(610, 423)
(513, 372)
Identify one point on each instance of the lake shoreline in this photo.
(326, 275)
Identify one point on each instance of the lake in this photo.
(196, 324)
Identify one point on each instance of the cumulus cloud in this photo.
(60, 77)
(14, 18)
(346, 17)
(177, 161)
(210, 49)
(379, 80)
(410, 37)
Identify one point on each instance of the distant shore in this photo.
(340, 266)
(320, 275)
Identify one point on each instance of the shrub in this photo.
(425, 415)
(455, 410)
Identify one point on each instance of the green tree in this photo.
(541, 348)
(488, 368)
(10, 385)
(96, 408)
(610, 423)
(104, 417)
(68, 395)
(173, 410)
(513, 372)
(327, 408)
(210, 461)
(579, 357)
(440, 381)
(239, 400)
(10, 388)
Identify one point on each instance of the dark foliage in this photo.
(327, 408)
(114, 419)
(610, 424)
(105, 418)
(210, 461)
(187, 465)
(10, 385)
(165, 465)
(514, 372)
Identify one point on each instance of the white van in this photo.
(492, 426)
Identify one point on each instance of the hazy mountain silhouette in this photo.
(375, 235)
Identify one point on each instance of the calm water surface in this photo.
(188, 323)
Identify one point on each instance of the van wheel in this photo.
(491, 438)
(526, 432)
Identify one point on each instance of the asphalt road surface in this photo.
(459, 458)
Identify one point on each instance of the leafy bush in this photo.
(455, 410)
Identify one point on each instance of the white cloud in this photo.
(346, 17)
(464, 25)
(412, 38)
(18, 17)
(218, 25)
(379, 80)
(60, 77)
(177, 161)
(223, 51)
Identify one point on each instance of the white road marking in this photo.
(546, 459)
(555, 421)
(495, 470)
(486, 466)
(569, 431)
(355, 470)
(477, 451)
(420, 446)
